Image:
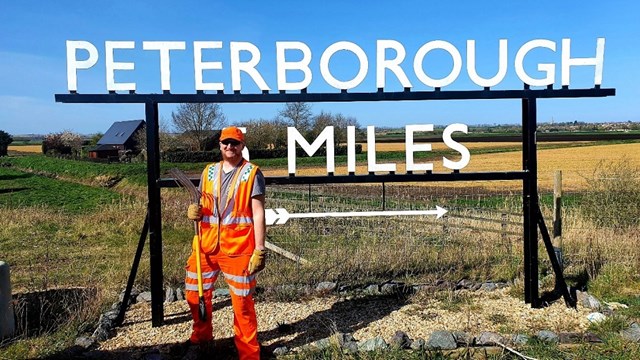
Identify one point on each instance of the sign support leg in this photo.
(154, 214)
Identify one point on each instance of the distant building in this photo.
(117, 140)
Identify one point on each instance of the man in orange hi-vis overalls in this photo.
(232, 241)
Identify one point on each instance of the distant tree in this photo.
(265, 134)
(339, 122)
(197, 121)
(5, 140)
(168, 140)
(298, 115)
(93, 140)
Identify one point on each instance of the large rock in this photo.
(375, 344)
(489, 338)
(632, 333)
(169, 295)
(520, 339)
(84, 342)
(418, 344)
(587, 300)
(326, 287)
(144, 296)
(442, 340)
(548, 336)
(596, 317)
(400, 340)
(463, 339)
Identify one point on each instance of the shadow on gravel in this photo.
(345, 316)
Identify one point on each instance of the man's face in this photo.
(231, 149)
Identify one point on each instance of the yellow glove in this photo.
(256, 263)
(195, 212)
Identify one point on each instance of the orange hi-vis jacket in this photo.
(227, 222)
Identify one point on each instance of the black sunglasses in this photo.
(230, 142)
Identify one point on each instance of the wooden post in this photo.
(557, 216)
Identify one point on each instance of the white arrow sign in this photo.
(280, 216)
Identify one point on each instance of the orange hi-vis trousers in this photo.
(241, 287)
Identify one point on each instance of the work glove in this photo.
(194, 212)
(256, 263)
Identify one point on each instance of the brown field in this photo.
(575, 163)
(25, 148)
(441, 146)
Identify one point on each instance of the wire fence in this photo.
(482, 226)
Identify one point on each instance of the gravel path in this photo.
(311, 320)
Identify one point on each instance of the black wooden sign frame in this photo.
(528, 175)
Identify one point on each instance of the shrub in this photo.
(63, 143)
(182, 156)
(5, 140)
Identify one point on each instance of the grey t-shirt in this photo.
(259, 187)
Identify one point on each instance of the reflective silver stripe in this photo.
(240, 279)
(205, 275)
(237, 220)
(241, 292)
(194, 287)
(210, 219)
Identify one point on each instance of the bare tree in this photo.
(197, 121)
(338, 121)
(168, 141)
(298, 115)
(265, 134)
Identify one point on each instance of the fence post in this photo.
(557, 216)
(7, 320)
(503, 227)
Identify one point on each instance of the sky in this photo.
(33, 56)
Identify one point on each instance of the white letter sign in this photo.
(73, 64)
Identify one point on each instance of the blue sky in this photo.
(33, 55)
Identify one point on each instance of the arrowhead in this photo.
(270, 216)
(440, 211)
(283, 216)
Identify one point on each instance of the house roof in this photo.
(120, 132)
